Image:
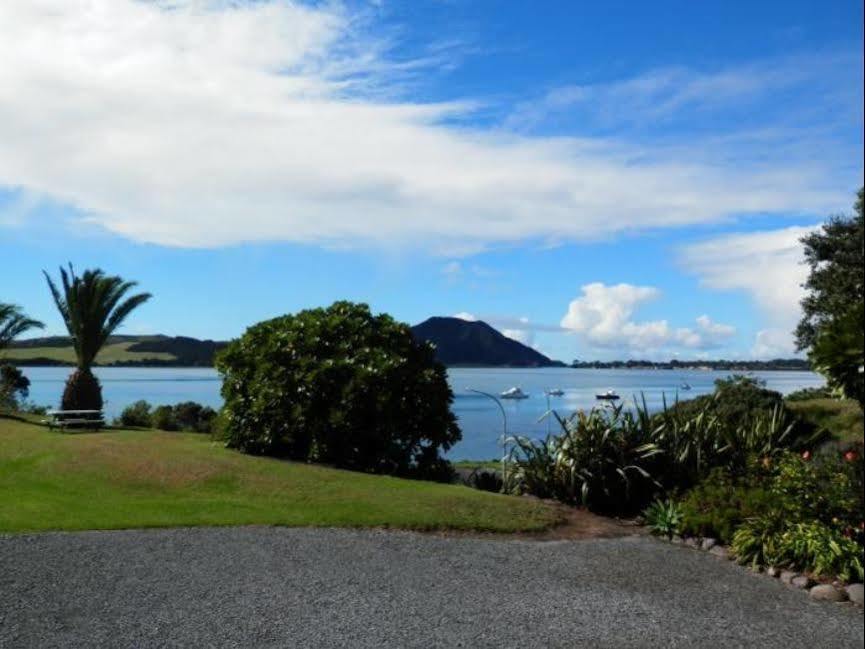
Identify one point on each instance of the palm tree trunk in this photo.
(82, 392)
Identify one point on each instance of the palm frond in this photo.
(92, 307)
(13, 323)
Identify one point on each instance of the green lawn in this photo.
(842, 417)
(110, 353)
(132, 479)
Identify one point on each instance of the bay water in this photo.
(480, 418)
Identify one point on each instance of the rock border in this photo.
(823, 591)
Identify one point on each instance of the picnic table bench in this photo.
(63, 419)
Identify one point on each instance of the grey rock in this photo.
(802, 581)
(773, 572)
(678, 540)
(708, 544)
(787, 576)
(720, 551)
(692, 542)
(854, 592)
(827, 593)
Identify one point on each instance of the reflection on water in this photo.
(479, 417)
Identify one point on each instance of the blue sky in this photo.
(600, 180)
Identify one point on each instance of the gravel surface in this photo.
(274, 587)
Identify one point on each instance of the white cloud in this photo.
(520, 328)
(767, 266)
(452, 269)
(773, 343)
(603, 314)
(207, 123)
(524, 336)
(667, 94)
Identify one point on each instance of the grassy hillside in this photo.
(133, 479)
(111, 353)
(842, 417)
(124, 350)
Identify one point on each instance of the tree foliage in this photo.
(833, 321)
(13, 386)
(340, 386)
(13, 323)
(92, 306)
(837, 353)
(835, 282)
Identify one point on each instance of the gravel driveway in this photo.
(274, 587)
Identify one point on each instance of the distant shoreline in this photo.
(738, 367)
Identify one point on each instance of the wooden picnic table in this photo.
(75, 418)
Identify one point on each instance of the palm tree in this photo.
(92, 307)
(13, 323)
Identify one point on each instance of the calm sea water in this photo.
(480, 418)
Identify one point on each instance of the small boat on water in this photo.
(514, 393)
(685, 386)
(556, 392)
(609, 395)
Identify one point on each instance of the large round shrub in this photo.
(338, 386)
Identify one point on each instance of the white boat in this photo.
(514, 393)
(685, 386)
(609, 395)
(556, 392)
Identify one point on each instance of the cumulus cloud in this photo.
(208, 123)
(768, 267)
(603, 317)
(773, 343)
(464, 315)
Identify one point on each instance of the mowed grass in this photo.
(112, 353)
(841, 417)
(133, 479)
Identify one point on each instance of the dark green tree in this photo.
(13, 323)
(838, 350)
(13, 386)
(834, 307)
(836, 257)
(92, 307)
(339, 386)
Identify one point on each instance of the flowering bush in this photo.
(338, 386)
(817, 521)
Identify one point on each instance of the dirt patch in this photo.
(582, 524)
(575, 525)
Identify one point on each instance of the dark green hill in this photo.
(460, 342)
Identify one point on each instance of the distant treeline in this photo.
(721, 365)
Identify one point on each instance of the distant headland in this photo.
(458, 343)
